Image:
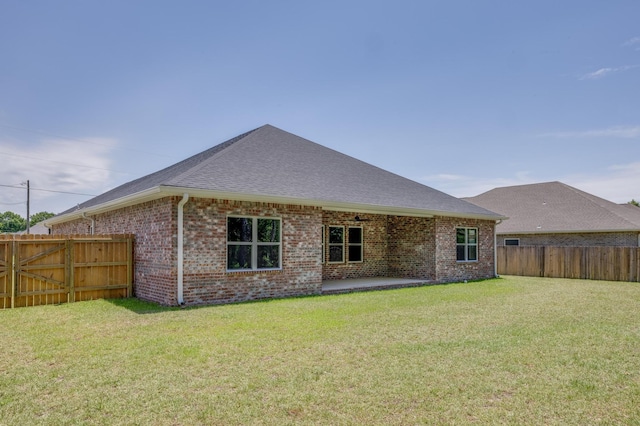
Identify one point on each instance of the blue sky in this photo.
(463, 96)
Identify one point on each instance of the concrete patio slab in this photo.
(366, 284)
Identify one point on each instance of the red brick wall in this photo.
(611, 239)
(206, 280)
(405, 247)
(395, 246)
(155, 229)
(450, 270)
(412, 247)
(374, 231)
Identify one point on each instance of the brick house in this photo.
(556, 214)
(270, 214)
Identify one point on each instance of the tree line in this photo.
(11, 222)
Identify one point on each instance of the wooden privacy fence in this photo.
(590, 263)
(50, 269)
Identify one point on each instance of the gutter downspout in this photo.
(495, 248)
(185, 198)
(93, 222)
(46, 225)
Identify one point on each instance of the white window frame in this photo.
(466, 244)
(254, 243)
(358, 244)
(330, 244)
(517, 240)
(323, 244)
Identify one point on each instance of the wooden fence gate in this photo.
(44, 270)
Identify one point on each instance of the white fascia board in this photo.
(398, 211)
(327, 205)
(493, 218)
(130, 200)
(166, 191)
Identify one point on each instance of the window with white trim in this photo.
(336, 244)
(355, 244)
(466, 244)
(512, 241)
(253, 243)
(323, 245)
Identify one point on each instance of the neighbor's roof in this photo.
(270, 165)
(554, 207)
(37, 229)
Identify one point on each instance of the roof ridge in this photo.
(526, 184)
(268, 163)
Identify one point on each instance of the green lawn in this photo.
(506, 351)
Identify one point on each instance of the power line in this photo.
(63, 192)
(48, 190)
(13, 186)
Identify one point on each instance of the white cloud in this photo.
(635, 41)
(54, 165)
(597, 74)
(446, 177)
(603, 72)
(620, 132)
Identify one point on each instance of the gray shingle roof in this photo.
(556, 207)
(270, 162)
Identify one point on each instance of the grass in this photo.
(513, 350)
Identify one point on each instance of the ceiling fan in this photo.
(361, 219)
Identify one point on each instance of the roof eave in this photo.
(130, 200)
(328, 204)
(584, 231)
(165, 191)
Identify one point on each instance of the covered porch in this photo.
(367, 284)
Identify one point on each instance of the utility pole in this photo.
(28, 197)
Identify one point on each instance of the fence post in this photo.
(637, 271)
(12, 272)
(129, 265)
(69, 248)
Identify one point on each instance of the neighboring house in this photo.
(37, 229)
(555, 214)
(270, 214)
